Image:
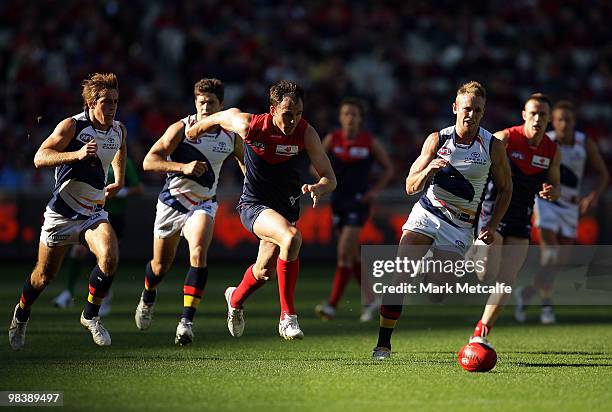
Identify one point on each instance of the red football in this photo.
(476, 357)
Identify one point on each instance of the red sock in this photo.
(287, 279)
(248, 285)
(341, 278)
(481, 329)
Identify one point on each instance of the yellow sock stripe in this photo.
(22, 305)
(191, 301)
(94, 299)
(387, 323)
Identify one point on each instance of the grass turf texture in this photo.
(563, 367)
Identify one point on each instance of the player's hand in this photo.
(195, 168)
(588, 202)
(436, 165)
(487, 235)
(112, 189)
(369, 197)
(548, 192)
(88, 150)
(315, 193)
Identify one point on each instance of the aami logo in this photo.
(286, 149)
(460, 243)
(540, 161)
(517, 155)
(475, 159)
(444, 151)
(221, 147)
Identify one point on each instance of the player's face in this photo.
(207, 104)
(105, 107)
(350, 118)
(469, 109)
(563, 121)
(536, 116)
(287, 115)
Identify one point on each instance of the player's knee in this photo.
(292, 240)
(108, 262)
(41, 278)
(549, 255)
(159, 267)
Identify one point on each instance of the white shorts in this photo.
(169, 221)
(562, 220)
(446, 236)
(58, 230)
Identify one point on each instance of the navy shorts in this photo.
(350, 214)
(249, 212)
(515, 223)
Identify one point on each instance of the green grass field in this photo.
(563, 367)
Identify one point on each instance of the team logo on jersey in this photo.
(444, 151)
(359, 152)
(85, 138)
(287, 149)
(474, 158)
(540, 161)
(517, 155)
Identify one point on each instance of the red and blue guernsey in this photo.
(274, 163)
(352, 161)
(529, 165)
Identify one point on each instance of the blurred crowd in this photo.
(404, 58)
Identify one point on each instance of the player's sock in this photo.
(481, 329)
(99, 285)
(341, 278)
(73, 269)
(389, 314)
(287, 279)
(527, 293)
(247, 286)
(29, 294)
(195, 282)
(367, 295)
(149, 293)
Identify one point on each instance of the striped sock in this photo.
(341, 278)
(99, 285)
(28, 296)
(149, 294)
(389, 314)
(195, 281)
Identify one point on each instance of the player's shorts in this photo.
(557, 217)
(515, 223)
(350, 214)
(445, 235)
(249, 212)
(169, 221)
(58, 230)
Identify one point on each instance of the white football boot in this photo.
(369, 312)
(235, 317)
(184, 332)
(380, 353)
(105, 308)
(547, 315)
(520, 310)
(289, 328)
(325, 311)
(17, 331)
(480, 339)
(144, 314)
(63, 300)
(100, 335)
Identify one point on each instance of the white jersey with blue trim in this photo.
(184, 192)
(573, 160)
(79, 186)
(456, 191)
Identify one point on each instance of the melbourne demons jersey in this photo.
(351, 160)
(529, 166)
(79, 186)
(182, 192)
(273, 164)
(456, 191)
(573, 160)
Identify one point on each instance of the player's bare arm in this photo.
(51, 152)
(502, 177)
(425, 166)
(321, 164)
(502, 136)
(552, 189)
(327, 144)
(156, 159)
(383, 159)
(232, 120)
(239, 154)
(118, 165)
(603, 177)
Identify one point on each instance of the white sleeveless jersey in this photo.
(456, 191)
(573, 160)
(183, 192)
(79, 186)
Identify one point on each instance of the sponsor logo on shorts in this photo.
(460, 243)
(59, 238)
(540, 161)
(287, 149)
